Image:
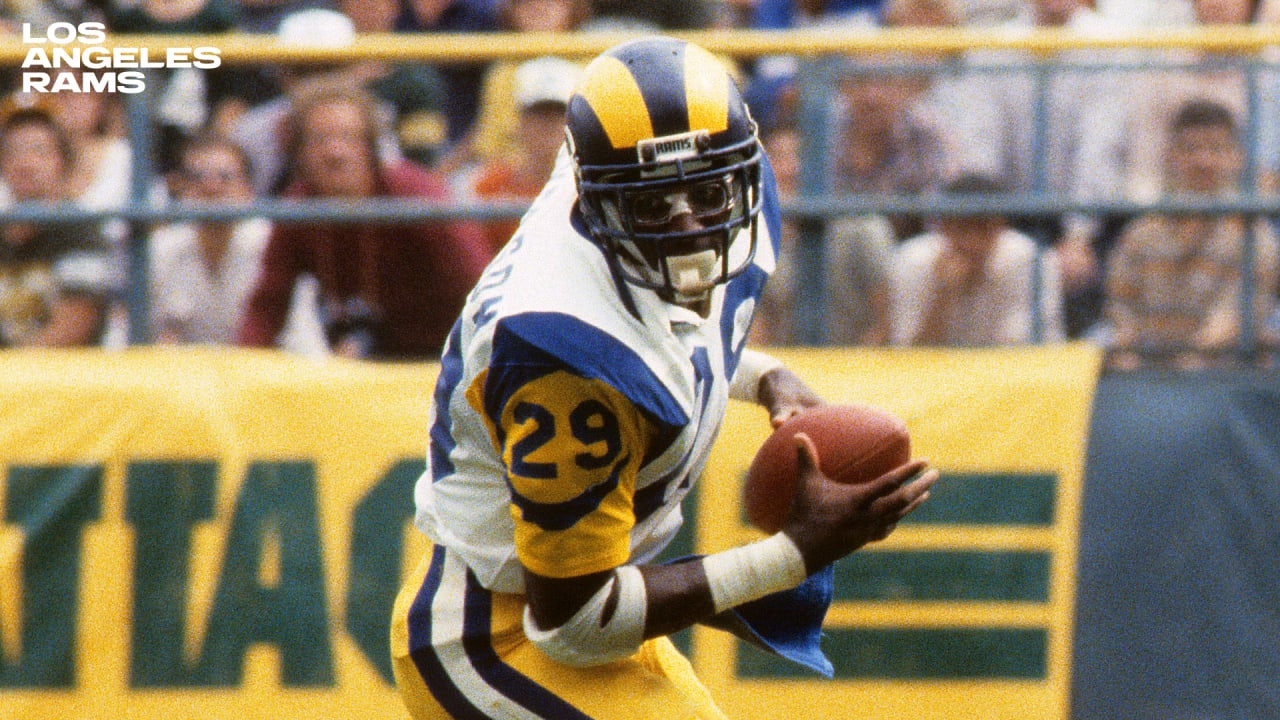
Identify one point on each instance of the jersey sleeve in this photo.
(571, 447)
(573, 412)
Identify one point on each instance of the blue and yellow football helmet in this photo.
(656, 127)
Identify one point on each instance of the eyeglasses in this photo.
(705, 199)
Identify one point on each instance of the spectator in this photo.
(187, 99)
(1080, 155)
(774, 324)
(493, 135)
(1147, 13)
(92, 122)
(971, 281)
(415, 92)
(387, 291)
(989, 12)
(775, 74)
(264, 16)
(921, 13)
(100, 177)
(258, 129)
(1156, 96)
(855, 259)
(1268, 108)
(653, 15)
(40, 15)
(892, 137)
(202, 272)
(190, 99)
(55, 278)
(542, 88)
(411, 95)
(784, 14)
(463, 80)
(1174, 282)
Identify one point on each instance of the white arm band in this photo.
(752, 365)
(752, 571)
(585, 639)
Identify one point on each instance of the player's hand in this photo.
(784, 394)
(829, 520)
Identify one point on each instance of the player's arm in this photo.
(604, 616)
(586, 605)
(571, 448)
(763, 379)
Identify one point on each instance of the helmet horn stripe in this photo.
(614, 97)
(706, 90)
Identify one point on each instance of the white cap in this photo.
(545, 79)
(316, 27)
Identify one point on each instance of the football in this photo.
(855, 443)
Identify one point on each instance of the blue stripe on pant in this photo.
(478, 653)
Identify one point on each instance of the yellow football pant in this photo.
(459, 651)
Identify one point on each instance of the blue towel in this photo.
(787, 624)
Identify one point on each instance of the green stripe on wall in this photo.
(1014, 576)
(989, 499)
(914, 654)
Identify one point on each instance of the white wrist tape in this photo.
(585, 639)
(752, 365)
(752, 571)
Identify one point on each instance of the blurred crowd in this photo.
(1182, 290)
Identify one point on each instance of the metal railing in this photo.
(818, 49)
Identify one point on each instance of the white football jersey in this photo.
(570, 419)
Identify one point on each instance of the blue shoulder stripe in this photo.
(747, 286)
(770, 208)
(530, 345)
(441, 433)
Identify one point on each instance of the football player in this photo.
(578, 398)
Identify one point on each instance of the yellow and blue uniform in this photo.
(572, 414)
